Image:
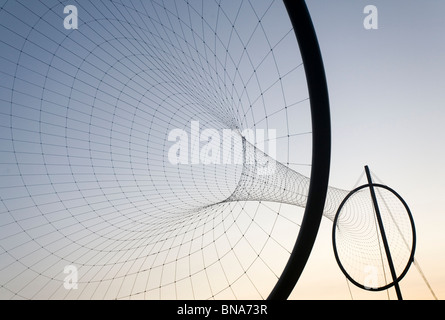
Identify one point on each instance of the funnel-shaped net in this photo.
(137, 154)
(265, 179)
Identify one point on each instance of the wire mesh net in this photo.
(119, 147)
(156, 150)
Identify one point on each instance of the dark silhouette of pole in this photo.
(383, 234)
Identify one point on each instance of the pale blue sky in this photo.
(388, 111)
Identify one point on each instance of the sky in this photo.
(387, 111)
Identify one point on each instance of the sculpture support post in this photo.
(383, 234)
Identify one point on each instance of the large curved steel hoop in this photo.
(321, 147)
